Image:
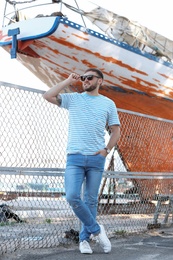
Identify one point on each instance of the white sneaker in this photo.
(85, 248)
(103, 240)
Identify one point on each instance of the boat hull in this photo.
(135, 80)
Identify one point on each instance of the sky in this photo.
(154, 14)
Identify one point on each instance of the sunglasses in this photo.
(88, 77)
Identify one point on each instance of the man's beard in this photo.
(91, 88)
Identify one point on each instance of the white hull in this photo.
(53, 47)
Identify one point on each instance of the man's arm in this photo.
(52, 93)
(114, 136)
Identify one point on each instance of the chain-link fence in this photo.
(135, 193)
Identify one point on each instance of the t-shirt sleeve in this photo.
(113, 118)
(66, 99)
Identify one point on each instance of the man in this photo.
(89, 113)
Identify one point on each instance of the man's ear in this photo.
(101, 81)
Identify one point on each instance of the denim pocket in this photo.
(102, 156)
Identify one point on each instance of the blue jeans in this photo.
(88, 168)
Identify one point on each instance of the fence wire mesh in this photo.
(136, 189)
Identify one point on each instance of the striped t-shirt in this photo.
(88, 116)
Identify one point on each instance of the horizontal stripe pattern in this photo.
(88, 116)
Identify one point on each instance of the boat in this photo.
(137, 63)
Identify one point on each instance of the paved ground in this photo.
(154, 245)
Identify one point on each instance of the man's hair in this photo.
(99, 73)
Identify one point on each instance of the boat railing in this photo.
(13, 10)
(16, 11)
